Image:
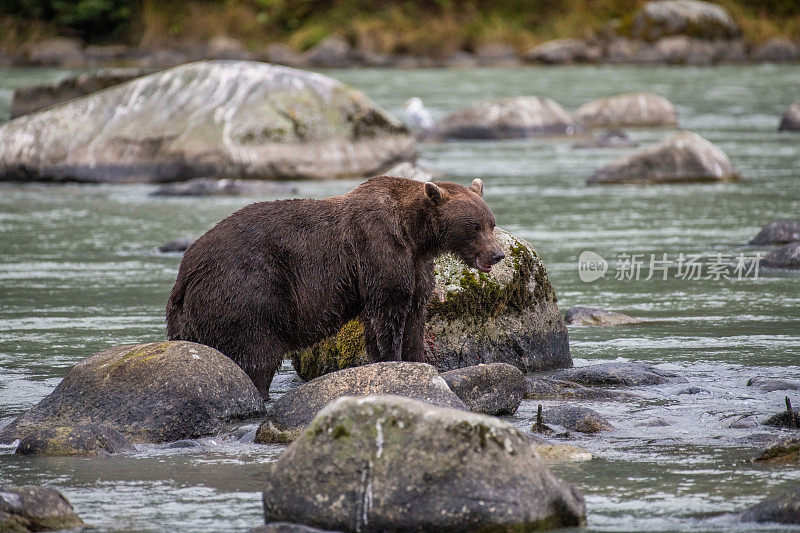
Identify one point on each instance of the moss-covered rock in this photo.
(24, 509)
(156, 392)
(385, 463)
(207, 119)
(785, 451)
(85, 441)
(508, 316)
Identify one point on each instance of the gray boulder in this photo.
(630, 109)
(683, 17)
(392, 464)
(785, 451)
(157, 392)
(684, 50)
(222, 187)
(493, 389)
(288, 416)
(576, 418)
(776, 50)
(772, 384)
(592, 316)
(226, 47)
(331, 52)
(556, 389)
(27, 100)
(24, 509)
(611, 374)
(496, 55)
(786, 257)
(412, 172)
(563, 51)
(508, 118)
(608, 139)
(177, 245)
(681, 158)
(281, 54)
(207, 119)
(57, 52)
(791, 119)
(84, 441)
(779, 232)
(782, 509)
(507, 316)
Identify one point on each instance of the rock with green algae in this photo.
(385, 463)
(27, 508)
(785, 451)
(158, 392)
(508, 316)
(85, 441)
(217, 119)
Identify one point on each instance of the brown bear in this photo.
(280, 276)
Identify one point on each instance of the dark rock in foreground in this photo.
(616, 374)
(628, 110)
(682, 158)
(157, 392)
(222, 187)
(508, 316)
(294, 410)
(791, 119)
(576, 418)
(34, 98)
(207, 119)
(508, 118)
(24, 509)
(85, 441)
(555, 389)
(773, 384)
(785, 419)
(787, 257)
(493, 389)
(783, 509)
(178, 245)
(392, 464)
(592, 316)
(786, 451)
(779, 232)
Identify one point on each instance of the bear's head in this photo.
(465, 224)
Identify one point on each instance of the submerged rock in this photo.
(507, 316)
(157, 392)
(493, 389)
(608, 139)
(773, 384)
(177, 245)
(779, 232)
(30, 99)
(384, 463)
(791, 119)
(294, 410)
(558, 453)
(628, 110)
(508, 118)
(681, 158)
(618, 374)
(786, 257)
(207, 119)
(782, 509)
(556, 389)
(24, 509)
(592, 316)
(785, 419)
(683, 17)
(576, 418)
(86, 441)
(785, 451)
(222, 187)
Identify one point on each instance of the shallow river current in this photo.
(79, 271)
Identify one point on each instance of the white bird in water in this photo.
(417, 117)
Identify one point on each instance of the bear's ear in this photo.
(433, 192)
(477, 187)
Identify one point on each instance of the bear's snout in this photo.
(497, 256)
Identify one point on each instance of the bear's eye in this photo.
(476, 226)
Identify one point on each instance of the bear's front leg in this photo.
(414, 331)
(383, 334)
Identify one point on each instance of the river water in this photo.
(79, 271)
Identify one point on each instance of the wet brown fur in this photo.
(279, 276)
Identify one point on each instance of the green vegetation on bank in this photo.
(428, 27)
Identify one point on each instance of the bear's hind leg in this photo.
(260, 361)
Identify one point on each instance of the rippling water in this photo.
(79, 271)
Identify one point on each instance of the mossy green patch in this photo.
(343, 350)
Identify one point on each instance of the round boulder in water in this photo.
(85, 441)
(508, 118)
(385, 463)
(681, 158)
(786, 257)
(628, 110)
(791, 119)
(779, 232)
(207, 119)
(157, 392)
(27, 508)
